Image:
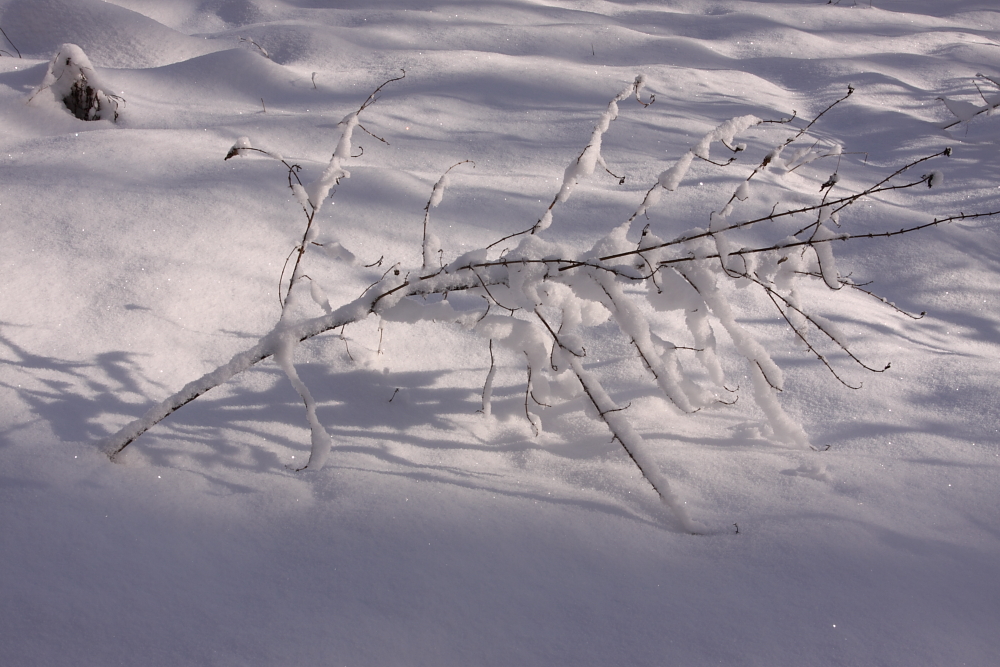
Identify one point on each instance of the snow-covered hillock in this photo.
(112, 36)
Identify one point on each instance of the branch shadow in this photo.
(68, 395)
(250, 425)
(378, 416)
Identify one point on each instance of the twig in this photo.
(782, 121)
(571, 177)
(717, 164)
(860, 288)
(989, 106)
(346, 346)
(488, 384)
(260, 48)
(281, 278)
(771, 292)
(372, 99)
(532, 419)
(436, 194)
(490, 294)
(11, 43)
(374, 136)
(806, 340)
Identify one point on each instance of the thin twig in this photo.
(775, 294)
(805, 340)
(11, 43)
(437, 191)
(527, 412)
(860, 288)
(346, 346)
(260, 48)
(600, 160)
(488, 384)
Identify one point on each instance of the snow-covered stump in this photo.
(71, 82)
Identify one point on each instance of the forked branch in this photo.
(540, 275)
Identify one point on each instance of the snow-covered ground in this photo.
(134, 259)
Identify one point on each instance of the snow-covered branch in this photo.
(551, 295)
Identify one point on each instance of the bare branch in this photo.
(806, 340)
(838, 204)
(774, 294)
(860, 288)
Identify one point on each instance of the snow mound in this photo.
(111, 35)
(230, 76)
(70, 82)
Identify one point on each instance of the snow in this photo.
(284, 356)
(837, 526)
(824, 252)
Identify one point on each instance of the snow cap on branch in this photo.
(725, 133)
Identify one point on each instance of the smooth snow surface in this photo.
(134, 259)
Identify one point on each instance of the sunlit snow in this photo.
(463, 511)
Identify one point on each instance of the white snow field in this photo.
(134, 259)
